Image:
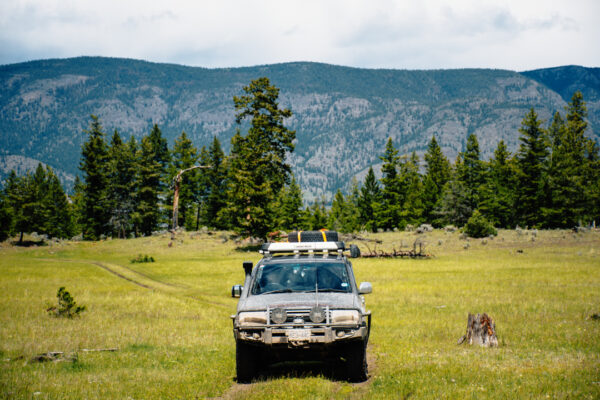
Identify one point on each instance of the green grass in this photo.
(170, 320)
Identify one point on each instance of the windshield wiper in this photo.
(278, 291)
(333, 290)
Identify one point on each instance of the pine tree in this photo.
(203, 190)
(318, 216)
(342, 216)
(250, 199)
(412, 208)
(471, 172)
(162, 156)
(568, 168)
(58, 216)
(122, 168)
(24, 200)
(498, 195)
(351, 203)
(454, 205)
(78, 205)
(391, 196)
(40, 209)
(160, 149)
(556, 131)
(437, 173)
(551, 210)
(6, 216)
(430, 197)
(290, 207)
(216, 199)
(530, 160)
(257, 168)
(14, 198)
(148, 185)
(369, 202)
(37, 203)
(94, 218)
(592, 179)
(268, 139)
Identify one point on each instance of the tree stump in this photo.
(481, 330)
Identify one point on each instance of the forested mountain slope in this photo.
(342, 116)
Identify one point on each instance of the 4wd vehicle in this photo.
(301, 302)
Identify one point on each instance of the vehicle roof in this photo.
(317, 257)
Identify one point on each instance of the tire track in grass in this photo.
(104, 267)
(144, 281)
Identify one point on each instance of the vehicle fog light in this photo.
(256, 335)
(278, 315)
(340, 333)
(317, 314)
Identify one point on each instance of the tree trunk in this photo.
(481, 330)
(197, 216)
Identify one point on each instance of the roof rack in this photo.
(301, 247)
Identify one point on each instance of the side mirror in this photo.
(247, 267)
(365, 288)
(236, 290)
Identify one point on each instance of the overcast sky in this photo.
(409, 34)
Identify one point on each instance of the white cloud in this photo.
(378, 33)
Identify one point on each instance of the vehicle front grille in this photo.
(304, 313)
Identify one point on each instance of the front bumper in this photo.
(287, 334)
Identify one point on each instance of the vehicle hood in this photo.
(333, 300)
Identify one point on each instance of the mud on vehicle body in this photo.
(301, 302)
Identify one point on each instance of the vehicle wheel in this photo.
(354, 251)
(245, 362)
(356, 362)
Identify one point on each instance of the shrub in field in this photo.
(142, 259)
(478, 227)
(67, 307)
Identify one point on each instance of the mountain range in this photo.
(342, 116)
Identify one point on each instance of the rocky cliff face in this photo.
(342, 116)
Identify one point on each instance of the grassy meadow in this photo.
(170, 320)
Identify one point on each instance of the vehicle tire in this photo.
(245, 362)
(354, 251)
(356, 362)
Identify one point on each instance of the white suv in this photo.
(301, 302)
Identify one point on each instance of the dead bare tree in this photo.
(176, 184)
(416, 252)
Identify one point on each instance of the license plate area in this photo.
(298, 334)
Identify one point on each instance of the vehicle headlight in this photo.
(317, 314)
(252, 318)
(345, 317)
(278, 315)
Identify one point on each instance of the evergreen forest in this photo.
(126, 187)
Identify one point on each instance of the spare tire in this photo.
(313, 236)
(354, 251)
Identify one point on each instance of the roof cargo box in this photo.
(313, 236)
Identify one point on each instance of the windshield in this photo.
(301, 277)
